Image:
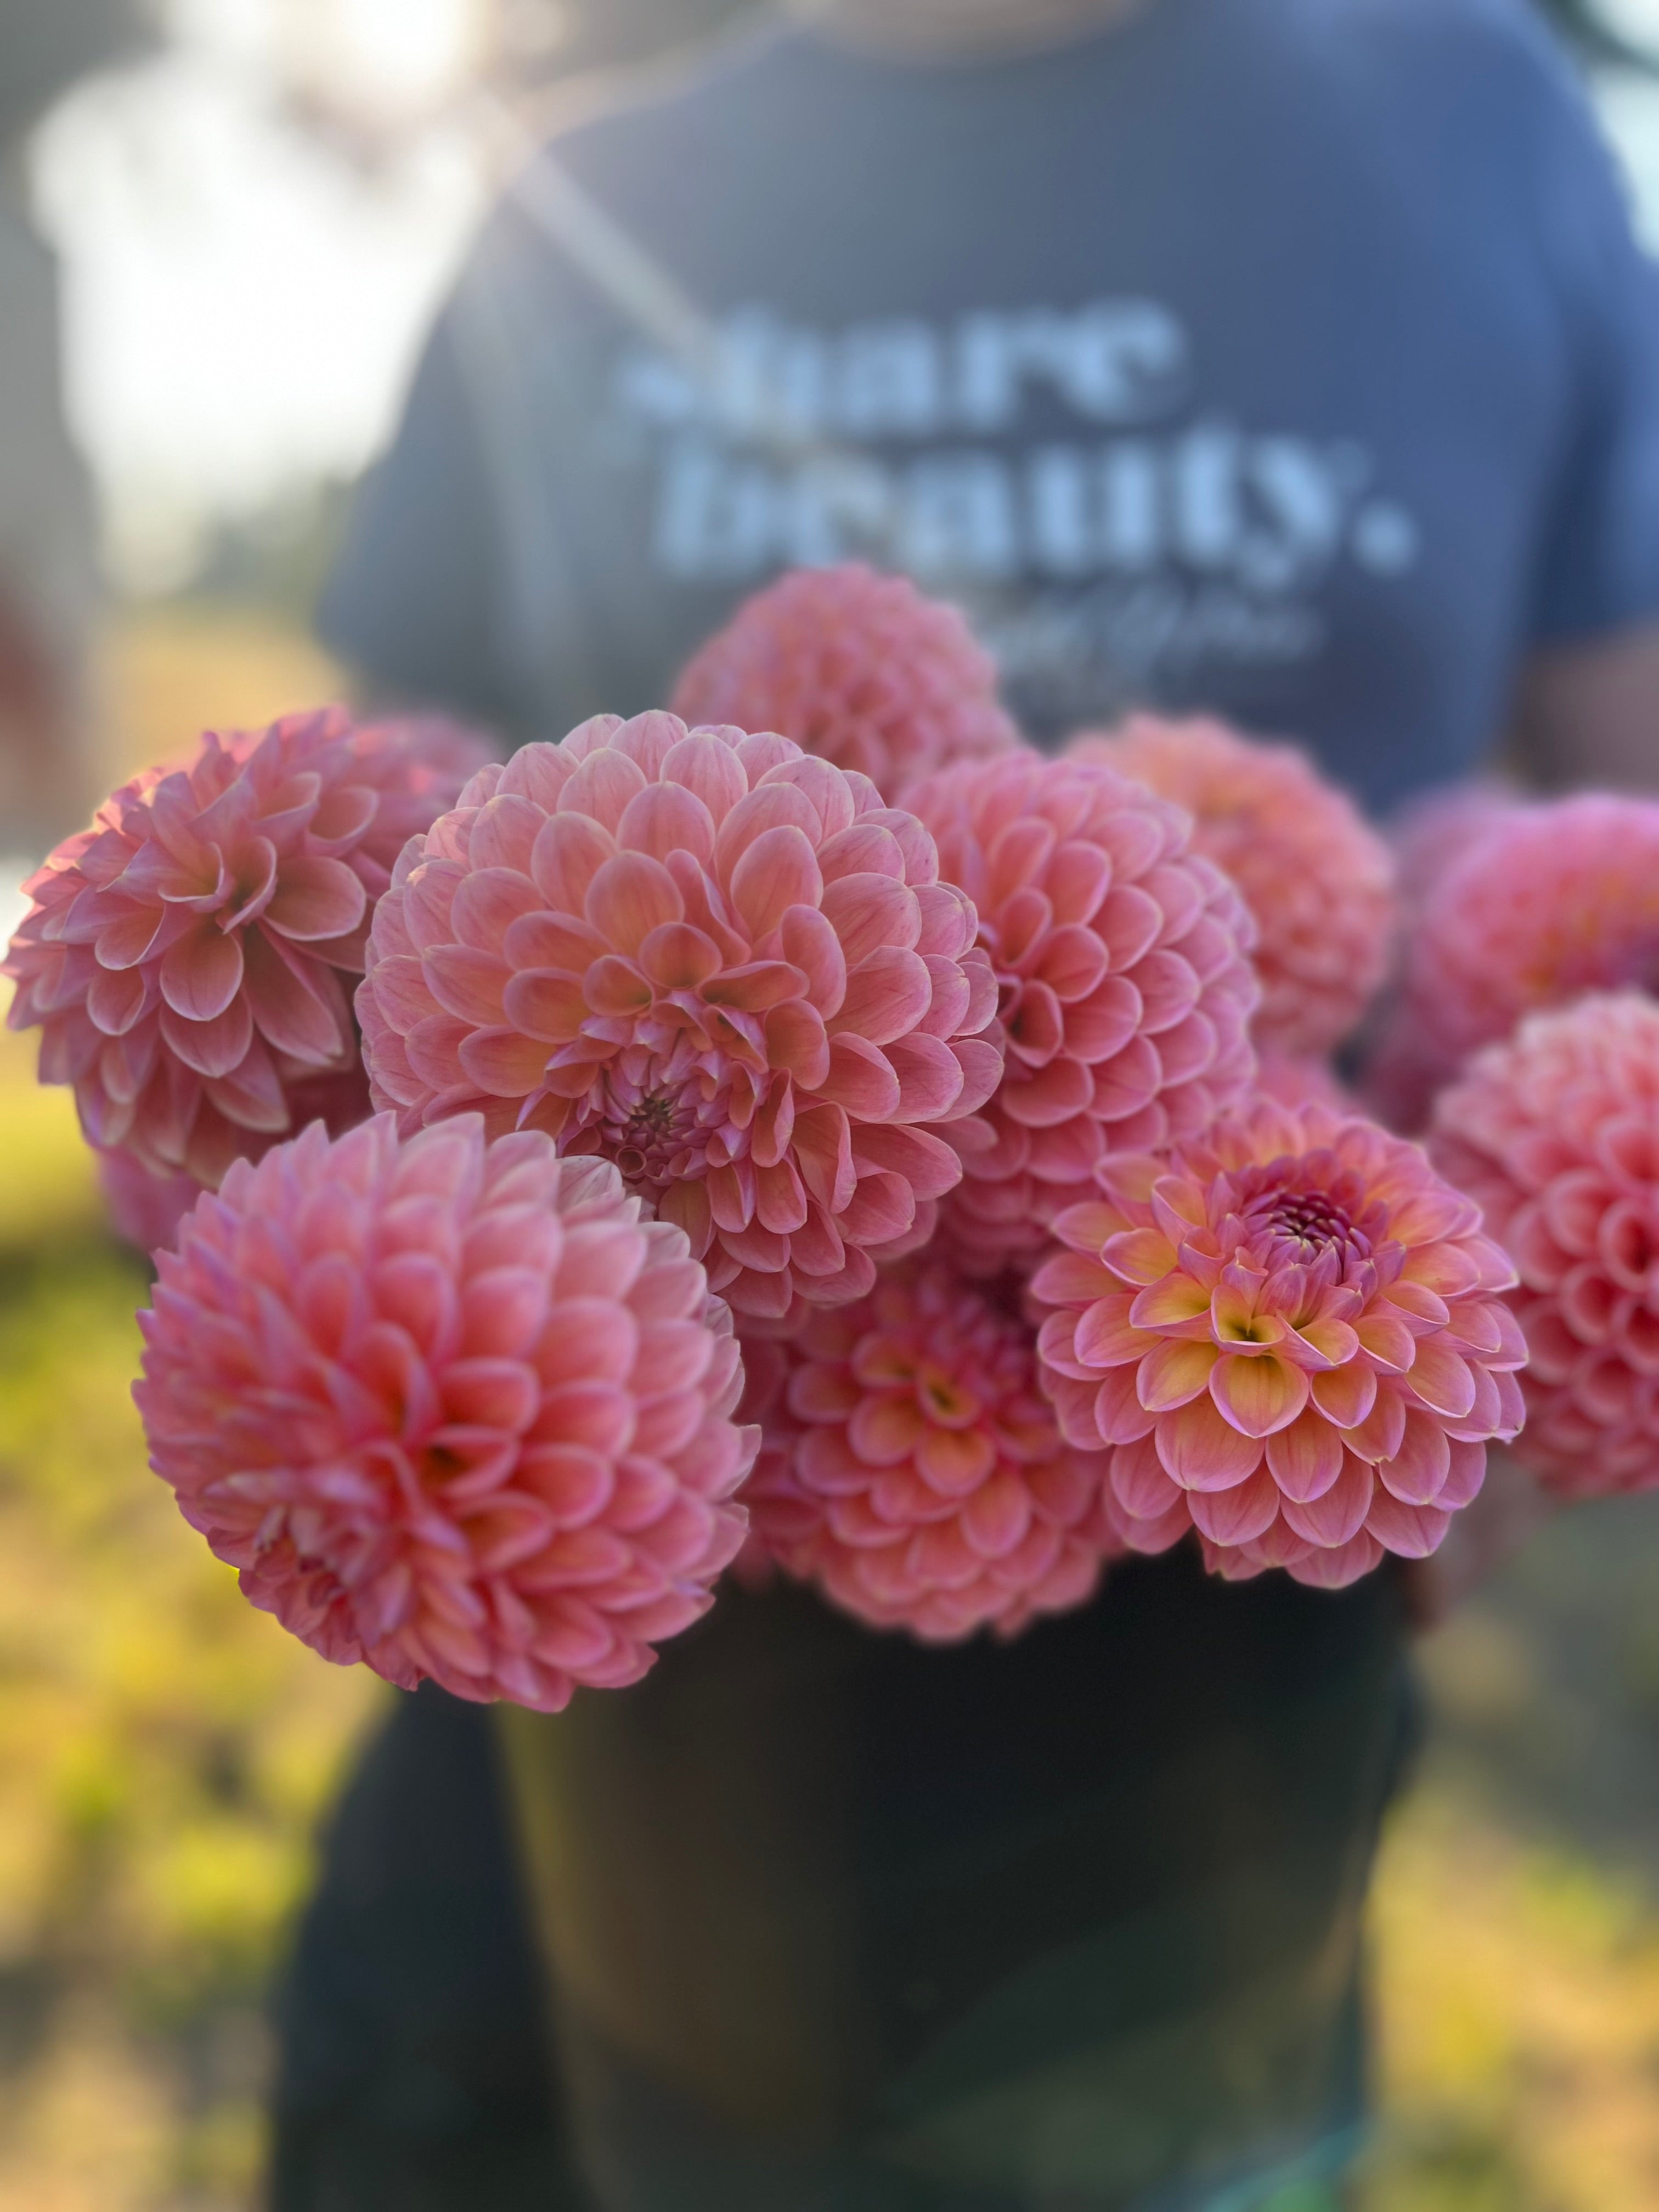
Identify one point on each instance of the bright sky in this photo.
(242, 308)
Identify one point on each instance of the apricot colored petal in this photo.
(1140, 1256)
(1417, 1473)
(1237, 1514)
(1305, 1457)
(630, 896)
(1344, 1395)
(1172, 1373)
(1201, 1451)
(1338, 1514)
(1258, 1395)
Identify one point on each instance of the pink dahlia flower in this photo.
(1319, 881)
(1126, 990)
(1551, 901)
(455, 1411)
(1556, 1135)
(859, 668)
(1292, 1333)
(911, 1468)
(722, 964)
(1432, 834)
(186, 958)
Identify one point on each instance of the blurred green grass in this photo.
(166, 1752)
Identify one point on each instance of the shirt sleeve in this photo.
(411, 604)
(1599, 565)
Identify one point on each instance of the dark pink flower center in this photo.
(1301, 1214)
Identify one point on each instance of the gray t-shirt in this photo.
(1291, 358)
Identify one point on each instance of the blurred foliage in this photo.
(165, 1751)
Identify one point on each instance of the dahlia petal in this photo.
(868, 912)
(1173, 1373)
(778, 871)
(1417, 1473)
(1258, 1395)
(504, 1062)
(570, 851)
(1237, 1515)
(1336, 1516)
(1306, 1457)
(1339, 1568)
(315, 898)
(1379, 1436)
(1344, 1395)
(1138, 1255)
(630, 896)
(1202, 1451)
(1106, 1336)
(547, 1006)
(1441, 1380)
(1073, 1279)
(888, 994)
(1411, 1532)
(201, 974)
(861, 1080)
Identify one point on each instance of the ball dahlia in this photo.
(1318, 880)
(713, 959)
(911, 1468)
(1550, 901)
(1431, 834)
(457, 1412)
(1292, 1334)
(1555, 1135)
(859, 668)
(186, 956)
(1126, 990)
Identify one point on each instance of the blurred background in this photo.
(223, 226)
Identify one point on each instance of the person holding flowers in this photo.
(820, 1306)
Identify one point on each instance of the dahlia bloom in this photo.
(1552, 900)
(859, 668)
(1432, 833)
(1126, 990)
(721, 963)
(1292, 1333)
(454, 1411)
(185, 958)
(1555, 1135)
(1318, 880)
(910, 1466)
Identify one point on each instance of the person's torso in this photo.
(1215, 362)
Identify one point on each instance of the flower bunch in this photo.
(819, 1128)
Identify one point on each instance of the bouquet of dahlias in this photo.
(811, 1132)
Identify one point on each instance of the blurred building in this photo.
(48, 569)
